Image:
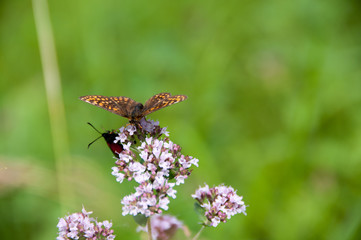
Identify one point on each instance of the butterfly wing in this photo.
(156, 99)
(119, 105)
(160, 101)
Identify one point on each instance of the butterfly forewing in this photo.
(156, 99)
(117, 105)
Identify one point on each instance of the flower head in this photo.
(163, 226)
(152, 160)
(80, 225)
(219, 203)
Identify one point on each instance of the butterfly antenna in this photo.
(94, 128)
(94, 141)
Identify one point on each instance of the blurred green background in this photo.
(273, 109)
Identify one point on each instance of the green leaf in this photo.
(140, 219)
(200, 211)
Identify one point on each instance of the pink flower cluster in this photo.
(152, 160)
(163, 226)
(219, 203)
(80, 226)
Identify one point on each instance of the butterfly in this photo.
(109, 138)
(128, 108)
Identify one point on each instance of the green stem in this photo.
(54, 97)
(198, 233)
(149, 226)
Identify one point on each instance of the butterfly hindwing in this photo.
(125, 106)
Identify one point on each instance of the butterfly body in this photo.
(137, 113)
(130, 109)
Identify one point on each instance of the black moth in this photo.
(109, 138)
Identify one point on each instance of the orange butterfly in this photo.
(128, 108)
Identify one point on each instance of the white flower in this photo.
(194, 161)
(215, 221)
(120, 138)
(198, 194)
(165, 164)
(163, 203)
(157, 148)
(73, 235)
(136, 167)
(164, 131)
(124, 157)
(107, 224)
(143, 155)
(171, 192)
(169, 145)
(141, 177)
(127, 146)
(148, 140)
(131, 129)
(119, 176)
(180, 179)
(62, 224)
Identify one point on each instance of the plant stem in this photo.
(52, 83)
(149, 226)
(198, 233)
